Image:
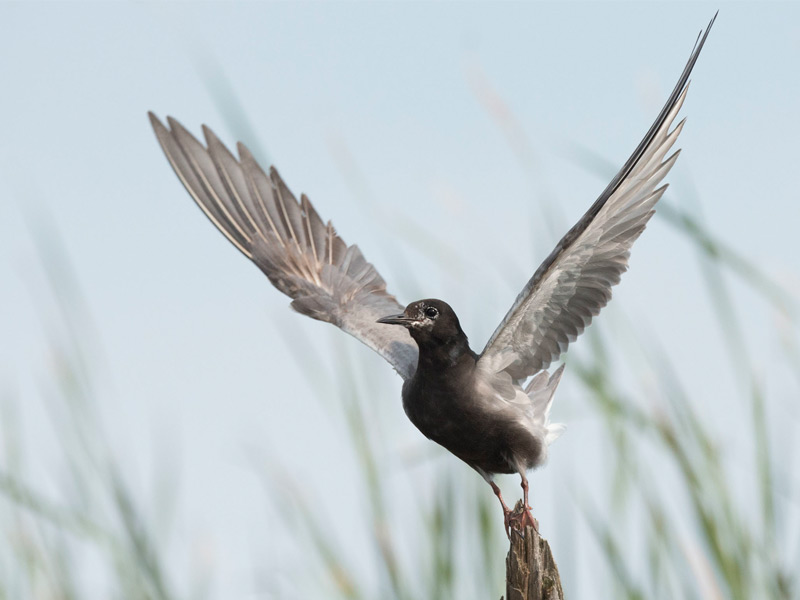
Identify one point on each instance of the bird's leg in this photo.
(527, 517)
(524, 485)
(506, 510)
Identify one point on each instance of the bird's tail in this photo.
(540, 390)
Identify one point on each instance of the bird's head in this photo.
(431, 321)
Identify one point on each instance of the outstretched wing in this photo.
(574, 282)
(302, 256)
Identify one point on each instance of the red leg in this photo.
(506, 510)
(527, 517)
(524, 485)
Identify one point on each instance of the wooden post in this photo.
(531, 572)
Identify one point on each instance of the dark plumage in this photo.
(445, 400)
(474, 405)
(478, 415)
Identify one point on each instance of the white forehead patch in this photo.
(421, 321)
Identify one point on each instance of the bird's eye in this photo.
(431, 312)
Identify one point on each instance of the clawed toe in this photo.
(520, 518)
(528, 519)
(507, 516)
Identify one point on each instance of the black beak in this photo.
(396, 320)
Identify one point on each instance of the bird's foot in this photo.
(520, 518)
(507, 517)
(529, 520)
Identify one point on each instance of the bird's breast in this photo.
(435, 400)
(457, 409)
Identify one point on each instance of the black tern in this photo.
(472, 404)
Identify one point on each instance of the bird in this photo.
(489, 409)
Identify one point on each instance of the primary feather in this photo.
(574, 283)
(302, 256)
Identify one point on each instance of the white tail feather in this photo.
(540, 390)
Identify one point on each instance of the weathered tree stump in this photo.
(531, 572)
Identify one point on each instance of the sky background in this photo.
(442, 138)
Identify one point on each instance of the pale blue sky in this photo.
(188, 327)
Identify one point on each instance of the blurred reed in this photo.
(97, 520)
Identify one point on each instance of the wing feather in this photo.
(574, 283)
(300, 254)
